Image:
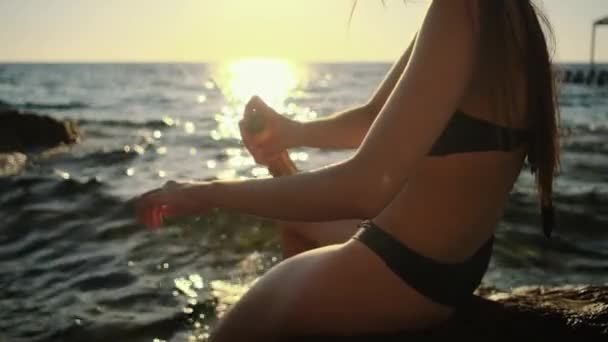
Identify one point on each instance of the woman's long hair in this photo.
(513, 42)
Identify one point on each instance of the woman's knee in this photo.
(293, 243)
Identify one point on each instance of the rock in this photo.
(11, 163)
(4, 106)
(23, 132)
(575, 313)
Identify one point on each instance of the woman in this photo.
(439, 147)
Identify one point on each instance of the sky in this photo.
(216, 30)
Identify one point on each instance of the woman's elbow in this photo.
(372, 108)
(372, 200)
(369, 191)
(368, 210)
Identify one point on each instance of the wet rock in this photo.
(23, 132)
(4, 106)
(568, 313)
(12, 163)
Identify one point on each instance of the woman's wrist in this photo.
(204, 193)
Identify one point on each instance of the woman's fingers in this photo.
(267, 158)
(259, 103)
(146, 208)
(245, 133)
(262, 145)
(169, 201)
(262, 153)
(249, 140)
(252, 106)
(167, 211)
(257, 107)
(147, 218)
(171, 184)
(151, 219)
(158, 217)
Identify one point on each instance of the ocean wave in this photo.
(582, 129)
(125, 123)
(99, 159)
(70, 105)
(582, 215)
(54, 106)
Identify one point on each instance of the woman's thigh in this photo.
(337, 290)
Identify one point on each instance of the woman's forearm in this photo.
(341, 130)
(331, 193)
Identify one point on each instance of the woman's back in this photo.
(451, 204)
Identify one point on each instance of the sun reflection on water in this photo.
(276, 81)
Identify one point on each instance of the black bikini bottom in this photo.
(447, 284)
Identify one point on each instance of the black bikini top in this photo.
(465, 133)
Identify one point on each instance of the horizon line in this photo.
(320, 61)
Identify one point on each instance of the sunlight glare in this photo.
(272, 79)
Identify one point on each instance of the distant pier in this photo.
(584, 76)
(592, 75)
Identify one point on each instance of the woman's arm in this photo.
(428, 92)
(347, 129)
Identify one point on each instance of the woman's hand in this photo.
(171, 200)
(265, 132)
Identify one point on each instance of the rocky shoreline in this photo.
(22, 133)
(531, 313)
